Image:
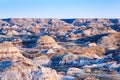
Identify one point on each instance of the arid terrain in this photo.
(59, 49)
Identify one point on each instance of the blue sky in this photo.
(59, 8)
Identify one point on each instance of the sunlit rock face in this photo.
(19, 70)
(9, 51)
(47, 41)
(26, 70)
(91, 52)
(49, 74)
(73, 71)
(112, 41)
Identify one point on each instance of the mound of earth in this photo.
(8, 50)
(91, 52)
(47, 41)
(112, 41)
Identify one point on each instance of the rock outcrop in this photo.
(73, 71)
(19, 70)
(9, 51)
(47, 41)
(112, 41)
